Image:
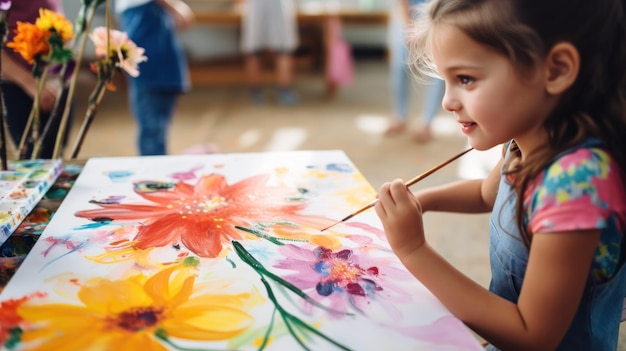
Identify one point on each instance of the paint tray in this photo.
(21, 187)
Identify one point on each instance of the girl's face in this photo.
(492, 102)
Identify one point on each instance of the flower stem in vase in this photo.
(3, 36)
(72, 85)
(32, 125)
(67, 71)
(94, 102)
(3, 134)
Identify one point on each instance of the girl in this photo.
(532, 75)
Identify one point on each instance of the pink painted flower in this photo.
(123, 51)
(203, 216)
(347, 278)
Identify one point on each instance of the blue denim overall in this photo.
(162, 78)
(596, 323)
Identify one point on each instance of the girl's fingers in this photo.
(398, 190)
(385, 201)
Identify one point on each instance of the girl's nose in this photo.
(449, 102)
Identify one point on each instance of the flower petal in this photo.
(114, 297)
(208, 243)
(161, 232)
(210, 317)
(166, 197)
(211, 184)
(124, 212)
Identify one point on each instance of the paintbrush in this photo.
(408, 184)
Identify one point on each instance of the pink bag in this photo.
(340, 63)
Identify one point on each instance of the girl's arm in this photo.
(555, 278)
(554, 282)
(466, 196)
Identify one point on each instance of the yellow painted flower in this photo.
(29, 41)
(137, 313)
(49, 20)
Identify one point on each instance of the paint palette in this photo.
(21, 187)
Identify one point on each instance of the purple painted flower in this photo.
(345, 279)
(339, 274)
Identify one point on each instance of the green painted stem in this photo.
(289, 318)
(260, 269)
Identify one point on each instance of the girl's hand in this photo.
(401, 216)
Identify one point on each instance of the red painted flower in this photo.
(203, 217)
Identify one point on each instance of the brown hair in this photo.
(524, 31)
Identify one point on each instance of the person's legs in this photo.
(284, 78)
(153, 111)
(253, 70)
(399, 79)
(432, 103)
(252, 65)
(284, 70)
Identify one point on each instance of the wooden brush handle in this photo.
(408, 184)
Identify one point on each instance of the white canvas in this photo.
(221, 252)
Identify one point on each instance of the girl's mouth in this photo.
(467, 127)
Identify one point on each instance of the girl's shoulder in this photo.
(584, 161)
(588, 171)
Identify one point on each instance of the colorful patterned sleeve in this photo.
(581, 190)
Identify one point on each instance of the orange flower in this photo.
(29, 41)
(50, 20)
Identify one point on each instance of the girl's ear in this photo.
(562, 65)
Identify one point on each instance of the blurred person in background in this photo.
(400, 77)
(270, 25)
(19, 86)
(153, 25)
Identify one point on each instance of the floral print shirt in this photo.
(582, 190)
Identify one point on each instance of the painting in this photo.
(220, 252)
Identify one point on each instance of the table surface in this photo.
(214, 252)
(311, 13)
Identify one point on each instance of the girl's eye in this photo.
(465, 80)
